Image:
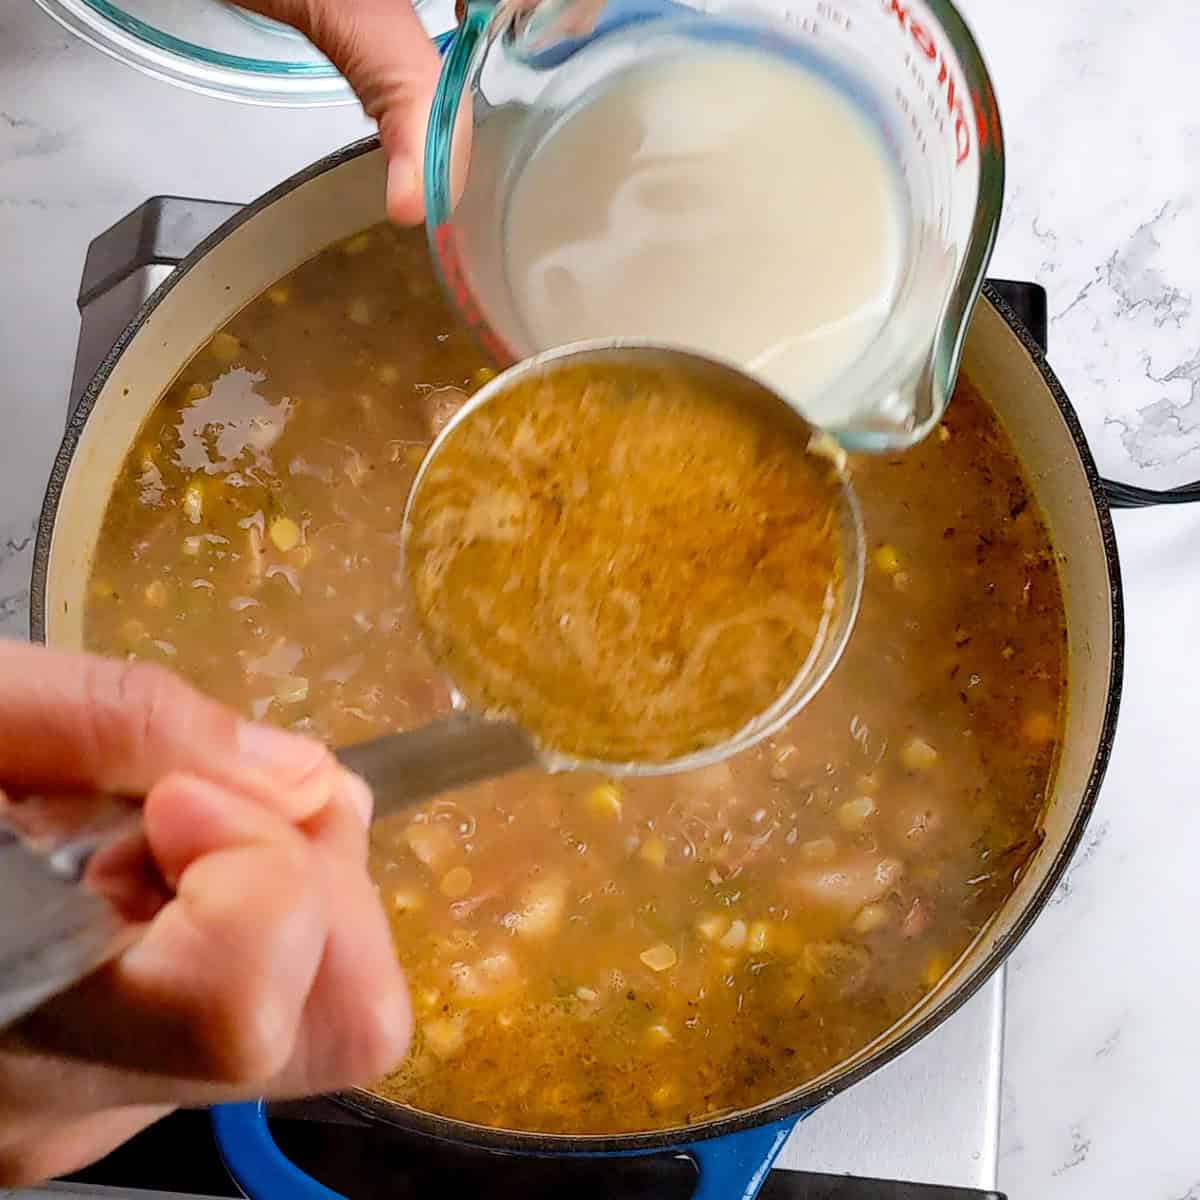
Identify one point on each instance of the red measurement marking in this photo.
(987, 122)
(452, 271)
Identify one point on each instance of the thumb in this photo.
(78, 723)
(384, 52)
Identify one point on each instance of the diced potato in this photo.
(886, 559)
(653, 851)
(225, 347)
(1039, 728)
(284, 533)
(445, 1036)
(734, 937)
(357, 244)
(871, 918)
(279, 294)
(758, 937)
(918, 755)
(193, 501)
(855, 815)
(819, 850)
(156, 594)
(291, 689)
(659, 958)
(541, 910)
(712, 926)
(605, 801)
(586, 994)
(456, 883)
(192, 546)
(431, 843)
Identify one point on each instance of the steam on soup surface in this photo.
(588, 956)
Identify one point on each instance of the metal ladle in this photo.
(55, 930)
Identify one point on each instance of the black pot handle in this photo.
(801, 1185)
(1028, 301)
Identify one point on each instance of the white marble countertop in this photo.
(1103, 208)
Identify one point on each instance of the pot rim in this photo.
(797, 1103)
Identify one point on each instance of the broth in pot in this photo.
(587, 955)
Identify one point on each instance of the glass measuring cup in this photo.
(760, 404)
(910, 67)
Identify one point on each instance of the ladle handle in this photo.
(60, 914)
(406, 768)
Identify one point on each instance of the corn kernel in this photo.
(482, 376)
(456, 883)
(193, 501)
(1039, 728)
(854, 814)
(653, 851)
(886, 559)
(405, 901)
(224, 347)
(712, 926)
(357, 244)
(658, 1035)
(605, 801)
(918, 755)
(279, 294)
(156, 594)
(934, 970)
(284, 533)
(943, 434)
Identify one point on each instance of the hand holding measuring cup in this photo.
(723, 159)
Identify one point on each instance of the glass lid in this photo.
(216, 48)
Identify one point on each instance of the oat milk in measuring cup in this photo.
(808, 190)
